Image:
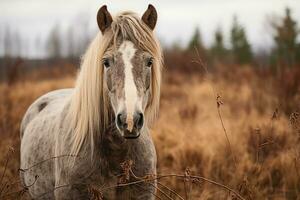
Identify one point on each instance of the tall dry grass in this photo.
(189, 136)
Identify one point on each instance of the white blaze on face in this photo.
(127, 51)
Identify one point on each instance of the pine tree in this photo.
(218, 50)
(196, 41)
(286, 40)
(240, 46)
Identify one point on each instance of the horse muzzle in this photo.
(130, 125)
(131, 135)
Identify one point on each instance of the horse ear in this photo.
(150, 17)
(104, 19)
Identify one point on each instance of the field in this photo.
(235, 126)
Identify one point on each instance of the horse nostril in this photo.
(121, 122)
(139, 121)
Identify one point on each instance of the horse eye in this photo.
(150, 62)
(106, 63)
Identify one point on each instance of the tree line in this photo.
(285, 51)
(72, 44)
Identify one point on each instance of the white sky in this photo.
(177, 19)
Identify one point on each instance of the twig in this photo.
(169, 189)
(266, 143)
(43, 161)
(148, 179)
(145, 179)
(10, 150)
(225, 131)
(198, 178)
(21, 192)
(25, 188)
(257, 131)
(161, 191)
(186, 183)
(140, 178)
(35, 179)
(149, 191)
(219, 103)
(55, 188)
(26, 169)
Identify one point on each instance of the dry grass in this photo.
(189, 135)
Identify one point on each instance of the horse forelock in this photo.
(90, 112)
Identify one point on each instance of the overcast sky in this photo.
(176, 19)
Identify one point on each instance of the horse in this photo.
(75, 138)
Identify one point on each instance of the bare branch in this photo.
(43, 161)
(169, 189)
(219, 103)
(8, 155)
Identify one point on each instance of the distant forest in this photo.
(285, 51)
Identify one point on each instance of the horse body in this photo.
(50, 137)
(74, 139)
(38, 132)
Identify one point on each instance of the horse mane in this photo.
(90, 112)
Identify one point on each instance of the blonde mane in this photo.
(90, 113)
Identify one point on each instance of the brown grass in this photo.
(189, 135)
